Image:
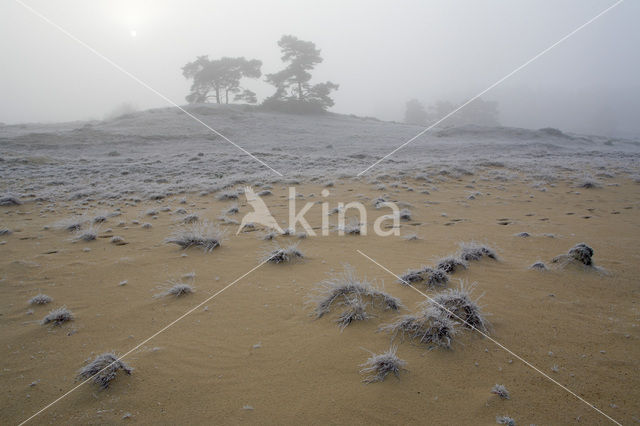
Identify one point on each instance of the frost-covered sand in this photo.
(254, 354)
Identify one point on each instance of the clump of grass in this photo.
(430, 327)
(352, 228)
(228, 221)
(411, 237)
(181, 211)
(429, 276)
(269, 236)
(104, 369)
(177, 289)
(71, 223)
(474, 251)
(501, 391)
(9, 200)
(538, 266)
(588, 183)
(40, 299)
(227, 195)
(580, 252)
(89, 234)
(505, 420)
(146, 225)
(117, 240)
(264, 193)
(451, 264)
(284, 254)
(355, 311)
(342, 286)
(379, 366)
(201, 234)
(458, 305)
(405, 214)
(5, 231)
(523, 235)
(99, 219)
(151, 212)
(190, 218)
(58, 316)
(233, 209)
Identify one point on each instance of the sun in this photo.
(133, 33)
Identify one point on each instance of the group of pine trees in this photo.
(217, 79)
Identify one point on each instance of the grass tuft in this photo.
(40, 299)
(379, 366)
(89, 234)
(104, 369)
(284, 254)
(341, 287)
(451, 264)
(202, 234)
(58, 316)
(474, 251)
(501, 391)
(430, 327)
(429, 276)
(461, 307)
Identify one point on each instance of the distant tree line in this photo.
(479, 112)
(214, 80)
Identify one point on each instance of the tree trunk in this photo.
(217, 95)
(226, 94)
(299, 90)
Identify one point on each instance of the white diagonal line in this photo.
(500, 345)
(492, 86)
(146, 340)
(119, 68)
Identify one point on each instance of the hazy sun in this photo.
(133, 33)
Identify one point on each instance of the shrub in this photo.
(380, 365)
(104, 369)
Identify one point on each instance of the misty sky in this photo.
(381, 54)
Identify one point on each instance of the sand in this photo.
(253, 354)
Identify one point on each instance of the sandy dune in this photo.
(255, 355)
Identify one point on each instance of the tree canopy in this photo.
(292, 83)
(220, 77)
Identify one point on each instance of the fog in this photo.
(381, 53)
